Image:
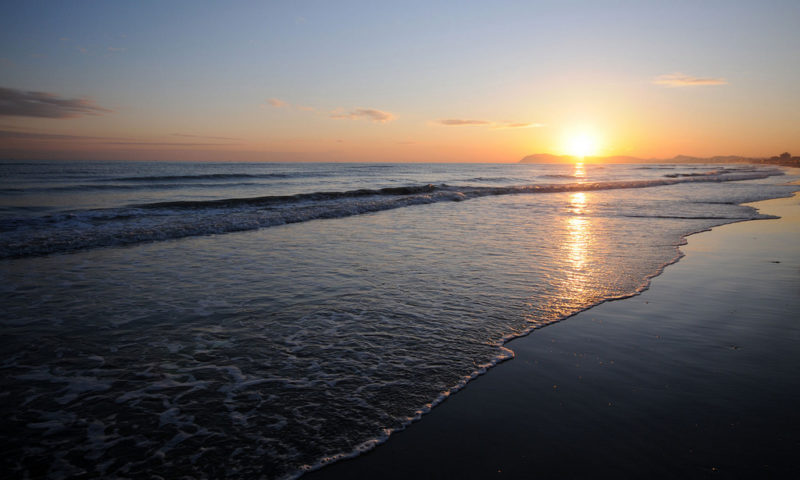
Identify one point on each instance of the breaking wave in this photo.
(78, 230)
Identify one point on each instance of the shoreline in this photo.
(509, 354)
(465, 444)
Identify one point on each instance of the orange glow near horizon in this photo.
(566, 88)
(300, 135)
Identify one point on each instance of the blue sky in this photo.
(209, 69)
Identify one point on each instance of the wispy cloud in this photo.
(460, 122)
(517, 125)
(370, 114)
(682, 80)
(186, 135)
(20, 103)
(277, 103)
(45, 137)
(17, 135)
(164, 144)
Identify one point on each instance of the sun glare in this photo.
(581, 145)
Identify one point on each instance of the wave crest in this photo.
(177, 219)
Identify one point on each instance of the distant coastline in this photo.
(785, 159)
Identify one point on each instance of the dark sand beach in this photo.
(696, 377)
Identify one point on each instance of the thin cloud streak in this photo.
(21, 103)
(167, 144)
(503, 126)
(40, 137)
(15, 135)
(186, 135)
(277, 103)
(459, 122)
(682, 80)
(370, 114)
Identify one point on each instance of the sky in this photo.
(397, 81)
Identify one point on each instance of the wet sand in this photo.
(698, 376)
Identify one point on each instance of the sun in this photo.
(581, 144)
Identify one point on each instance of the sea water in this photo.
(260, 320)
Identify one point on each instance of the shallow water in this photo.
(694, 378)
(273, 350)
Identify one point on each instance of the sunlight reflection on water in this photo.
(577, 243)
(265, 352)
(580, 172)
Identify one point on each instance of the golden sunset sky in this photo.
(397, 81)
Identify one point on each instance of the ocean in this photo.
(261, 320)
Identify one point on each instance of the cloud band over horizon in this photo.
(682, 80)
(22, 103)
(459, 122)
(371, 114)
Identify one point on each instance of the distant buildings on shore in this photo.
(786, 159)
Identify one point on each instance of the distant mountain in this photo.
(549, 158)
